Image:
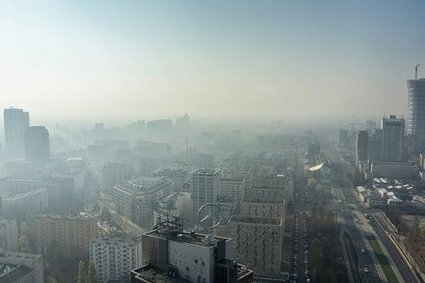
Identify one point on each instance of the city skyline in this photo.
(272, 60)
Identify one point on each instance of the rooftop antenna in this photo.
(416, 71)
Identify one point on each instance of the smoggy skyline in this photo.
(267, 59)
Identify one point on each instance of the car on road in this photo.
(363, 251)
(366, 270)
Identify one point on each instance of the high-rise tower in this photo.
(361, 146)
(16, 122)
(37, 146)
(392, 143)
(416, 126)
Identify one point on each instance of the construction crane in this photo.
(416, 71)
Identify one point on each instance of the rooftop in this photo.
(256, 220)
(142, 184)
(187, 237)
(12, 273)
(150, 274)
(8, 254)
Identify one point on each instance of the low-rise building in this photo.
(33, 271)
(172, 255)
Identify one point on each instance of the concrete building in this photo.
(416, 100)
(16, 122)
(55, 194)
(204, 187)
(32, 262)
(113, 173)
(361, 146)
(262, 209)
(374, 145)
(264, 193)
(8, 235)
(393, 144)
(136, 198)
(396, 170)
(257, 243)
(177, 175)
(232, 188)
(71, 234)
(37, 145)
(25, 204)
(172, 255)
(114, 258)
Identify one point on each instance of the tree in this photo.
(91, 273)
(82, 275)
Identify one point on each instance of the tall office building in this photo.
(204, 187)
(361, 146)
(374, 145)
(392, 143)
(416, 100)
(37, 146)
(16, 122)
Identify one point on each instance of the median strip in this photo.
(382, 259)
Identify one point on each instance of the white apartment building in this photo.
(114, 258)
(204, 187)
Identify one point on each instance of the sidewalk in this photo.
(399, 242)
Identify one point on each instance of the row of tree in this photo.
(86, 274)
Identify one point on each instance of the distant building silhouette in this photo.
(374, 144)
(37, 145)
(16, 122)
(361, 146)
(343, 137)
(392, 143)
(159, 127)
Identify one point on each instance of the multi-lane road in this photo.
(343, 190)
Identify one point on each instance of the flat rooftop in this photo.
(256, 220)
(154, 275)
(190, 238)
(11, 272)
(8, 254)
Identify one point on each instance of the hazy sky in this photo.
(209, 58)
